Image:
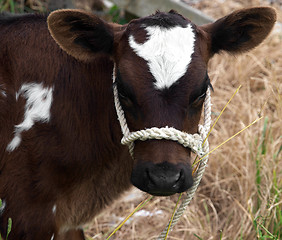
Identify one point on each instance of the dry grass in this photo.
(219, 8)
(241, 190)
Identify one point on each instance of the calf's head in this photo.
(161, 75)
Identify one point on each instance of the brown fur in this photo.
(75, 161)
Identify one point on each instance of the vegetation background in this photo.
(240, 196)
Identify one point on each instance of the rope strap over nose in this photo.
(194, 141)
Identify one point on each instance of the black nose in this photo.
(162, 179)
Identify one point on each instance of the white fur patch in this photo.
(54, 209)
(168, 52)
(37, 108)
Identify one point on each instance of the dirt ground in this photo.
(240, 194)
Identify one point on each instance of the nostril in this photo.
(178, 176)
(164, 178)
(178, 179)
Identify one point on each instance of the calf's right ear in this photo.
(241, 30)
(81, 34)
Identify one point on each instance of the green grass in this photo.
(16, 6)
(116, 15)
(197, 236)
(9, 227)
(262, 232)
(268, 221)
(10, 6)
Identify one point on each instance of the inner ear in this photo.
(81, 34)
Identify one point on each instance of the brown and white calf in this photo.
(61, 160)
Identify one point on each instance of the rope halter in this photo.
(196, 142)
(192, 141)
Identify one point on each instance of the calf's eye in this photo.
(197, 102)
(199, 99)
(125, 100)
(202, 96)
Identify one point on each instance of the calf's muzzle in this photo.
(162, 179)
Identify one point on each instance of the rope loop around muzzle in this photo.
(192, 141)
(197, 142)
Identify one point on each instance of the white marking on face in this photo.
(54, 209)
(52, 237)
(3, 206)
(167, 51)
(37, 108)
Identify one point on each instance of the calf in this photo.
(61, 160)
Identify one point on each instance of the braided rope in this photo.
(187, 140)
(198, 143)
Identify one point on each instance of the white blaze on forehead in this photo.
(168, 52)
(37, 108)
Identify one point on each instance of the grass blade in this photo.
(228, 139)
(9, 227)
(216, 122)
(172, 216)
(143, 203)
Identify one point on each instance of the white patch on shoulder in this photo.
(167, 51)
(3, 206)
(37, 108)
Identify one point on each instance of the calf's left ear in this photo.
(81, 34)
(240, 31)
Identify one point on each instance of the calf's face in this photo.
(161, 76)
(162, 80)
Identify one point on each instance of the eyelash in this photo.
(202, 96)
(122, 96)
(125, 100)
